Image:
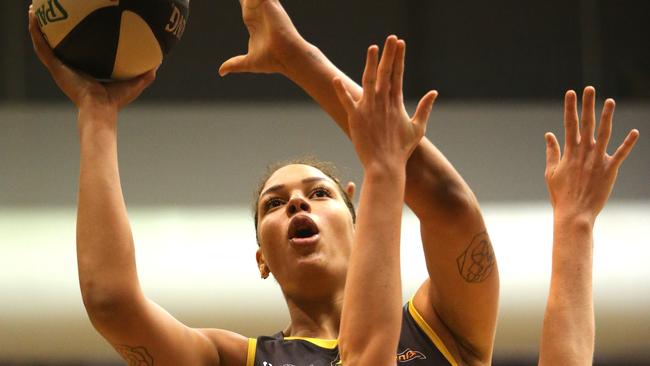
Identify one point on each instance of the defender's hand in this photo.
(581, 181)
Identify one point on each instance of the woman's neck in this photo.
(314, 317)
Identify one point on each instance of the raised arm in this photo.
(579, 183)
(384, 137)
(140, 331)
(459, 256)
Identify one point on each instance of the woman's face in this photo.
(305, 230)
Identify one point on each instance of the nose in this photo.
(297, 204)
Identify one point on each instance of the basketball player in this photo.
(457, 249)
(579, 183)
(305, 230)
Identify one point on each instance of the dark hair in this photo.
(328, 168)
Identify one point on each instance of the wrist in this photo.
(573, 220)
(385, 170)
(296, 56)
(96, 117)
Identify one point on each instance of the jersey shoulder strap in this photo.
(419, 344)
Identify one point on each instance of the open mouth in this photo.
(303, 230)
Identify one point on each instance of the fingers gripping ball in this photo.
(112, 39)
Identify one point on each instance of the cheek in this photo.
(341, 225)
(270, 236)
(269, 232)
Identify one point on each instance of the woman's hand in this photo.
(83, 90)
(580, 181)
(381, 130)
(272, 38)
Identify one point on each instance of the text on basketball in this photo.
(50, 12)
(177, 21)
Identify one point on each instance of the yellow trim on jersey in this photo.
(324, 343)
(430, 333)
(250, 355)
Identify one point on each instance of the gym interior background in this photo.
(193, 146)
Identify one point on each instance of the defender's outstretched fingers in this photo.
(369, 79)
(605, 128)
(572, 138)
(552, 153)
(385, 69)
(423, 110)
(588, 117)
(344, 96)
(624, 150)
(398, 71)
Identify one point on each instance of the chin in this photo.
(320, 271)
(312, 264)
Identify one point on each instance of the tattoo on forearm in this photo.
(135, 356)
(476, 262)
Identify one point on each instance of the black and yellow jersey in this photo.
(418, 346)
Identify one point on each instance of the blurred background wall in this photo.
(193, 146)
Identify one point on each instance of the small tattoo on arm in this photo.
(476, 262)
(135, 356)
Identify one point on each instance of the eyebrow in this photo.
(279, 187)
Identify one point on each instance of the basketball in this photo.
(112, 39)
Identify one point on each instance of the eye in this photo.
(272, 203)
(321, 192)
